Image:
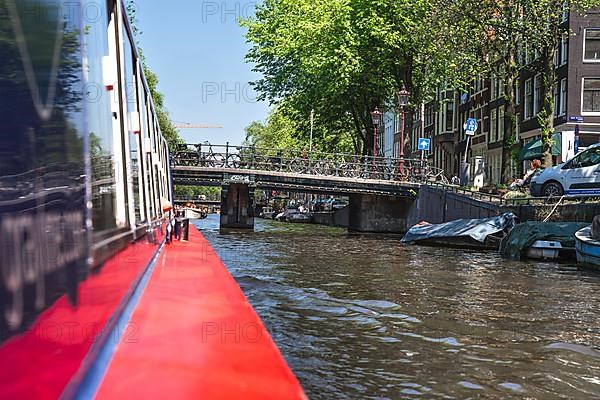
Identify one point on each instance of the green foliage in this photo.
(193, 192)
(340, 58)
(343, 58)
(277, 132)
(285, 128)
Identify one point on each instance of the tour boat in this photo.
(588, 249)
(95, 302)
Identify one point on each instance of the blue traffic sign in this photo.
(471, 126)
(424, 144)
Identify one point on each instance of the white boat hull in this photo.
(193, 214)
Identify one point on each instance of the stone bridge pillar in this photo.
(381, 214)
(237, 203)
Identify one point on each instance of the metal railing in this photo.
(516, 201)
(193, 199)
(303, 162)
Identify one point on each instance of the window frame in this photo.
(588, 113)
(564, 49)
(563, 97)
(537, 94)
(493, 125)
(589, 60)
(528, 106)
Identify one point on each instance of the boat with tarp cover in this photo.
(479, 234)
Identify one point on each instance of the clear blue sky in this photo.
(197, 49)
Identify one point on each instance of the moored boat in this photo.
(267, 213)
(194, 213)
(587, 248)
(478, 234)
(541, 241)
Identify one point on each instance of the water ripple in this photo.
(365, 317)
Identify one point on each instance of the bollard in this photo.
(185, 230)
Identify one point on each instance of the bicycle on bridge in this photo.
(302, 162)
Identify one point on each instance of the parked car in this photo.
(579, 176)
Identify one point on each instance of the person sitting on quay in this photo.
(518, 184)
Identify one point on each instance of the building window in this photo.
(528, 99)
(537, 94)
(501, 123)
(565, 11)
(591, 49)
(591, 95)
(449, 117)
(556, 93)
(493, 126)
(563, 97)
(517, 93)
(564, 49)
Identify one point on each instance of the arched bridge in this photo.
(382, 190)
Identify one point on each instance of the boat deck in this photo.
(198, 336)
(176, 327)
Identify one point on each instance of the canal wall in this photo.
(338, 218)
(436, 205)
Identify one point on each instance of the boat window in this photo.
(150, 182)
(133, 121)
(100, 126)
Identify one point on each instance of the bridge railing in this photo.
(304, 162)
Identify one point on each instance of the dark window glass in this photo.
(587, 159)
(133, 122)
(43, 171)
(100, 127)
(151, 194)
(591, 95)
(449, 116)
(592, 44)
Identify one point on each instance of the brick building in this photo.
(577, 108)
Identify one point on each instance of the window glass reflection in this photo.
(99, 125)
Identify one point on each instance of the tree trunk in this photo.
(546, 116)
(361, 137)
(509, 136)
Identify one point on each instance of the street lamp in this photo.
(376, 117)
(403, 97)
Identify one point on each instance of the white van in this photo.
(579, 176)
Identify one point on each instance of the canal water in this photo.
(365, 317)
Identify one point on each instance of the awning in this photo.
(533, 150)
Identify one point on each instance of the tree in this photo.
(339, 58)
(286, 128)
(344, 58)
(545, 33)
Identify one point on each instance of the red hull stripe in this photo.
(95, 372)
(194, 335)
